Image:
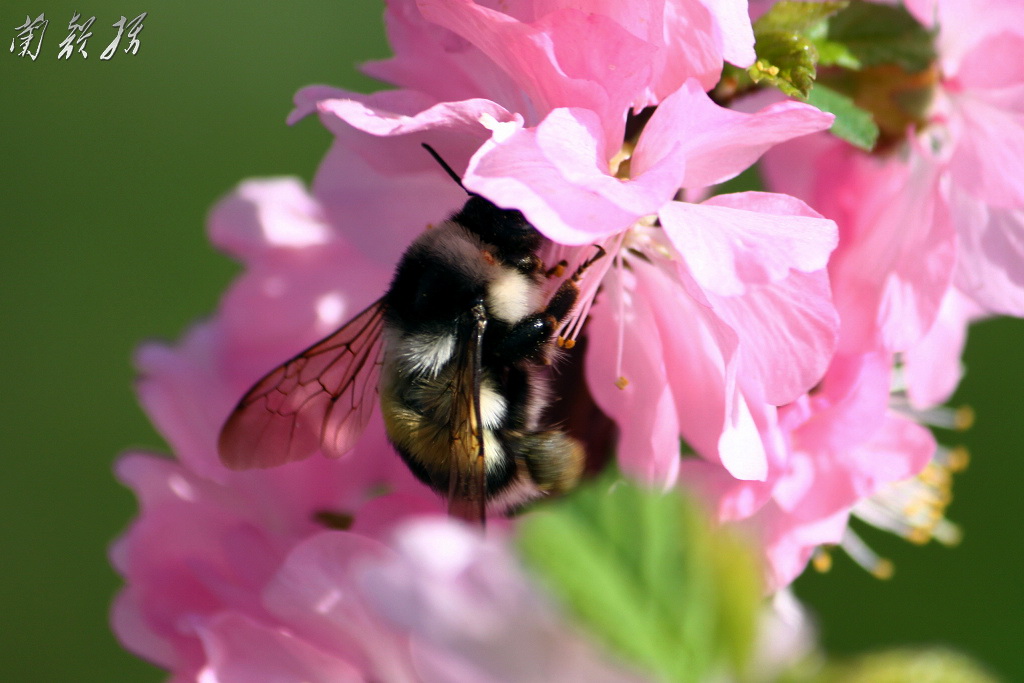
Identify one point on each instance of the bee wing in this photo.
(322, 397)
(467, 477)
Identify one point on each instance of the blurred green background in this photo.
(108, 170)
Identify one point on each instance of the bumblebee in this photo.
(456, 349)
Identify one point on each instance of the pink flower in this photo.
(897, 247)
(457, 61)
(317, 570)
(727, 306)
(841, 445)
(955, 183)
(925, 246)
(292, 573)
(564, 157)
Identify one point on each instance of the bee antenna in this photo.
(444, 165)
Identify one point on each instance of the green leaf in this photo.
(883, 34)
(853, 124)
(831, 53)
(640, 570)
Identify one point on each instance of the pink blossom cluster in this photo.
(931, 237)
(775, 353)
(318, 571)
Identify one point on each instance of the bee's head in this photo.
(506, 229)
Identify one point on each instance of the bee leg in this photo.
(557, 270)
(564, 298)
(528, 339)
(553, 459)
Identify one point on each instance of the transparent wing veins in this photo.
(322, 397)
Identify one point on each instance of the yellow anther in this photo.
(883, 570)
(959, 459)
(821, 561)
(964, 418)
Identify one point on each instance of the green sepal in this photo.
(787, 61)
(853, 124)
(787, 57)
(643, 574)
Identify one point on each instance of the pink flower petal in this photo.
(473, 615)
(314, 593)
(128, 621)
(931, 368)
(645, 409)
(896, 252)
(695, 359)
(242, 650)
(850, 404)
(990, 265)
(720, 143)
(994, 64)
(922, 10)
(967, 25)
(787, 332)
(733, 242)
(394, 113)
(431, 59)
(789, 543)
(734, 31)
(381, 210)
(268, 213)
(307, 100)
(378, 180)
(988, 160)
(556, 174)
(566, 58)
(728, 498)
(899, 450)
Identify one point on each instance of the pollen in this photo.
(862, 554)
(558, 270)
(622, 382)
(963, 418)
(884, 569)
(957, 459)
(821, 560)
(915, 508)
(618, 165)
